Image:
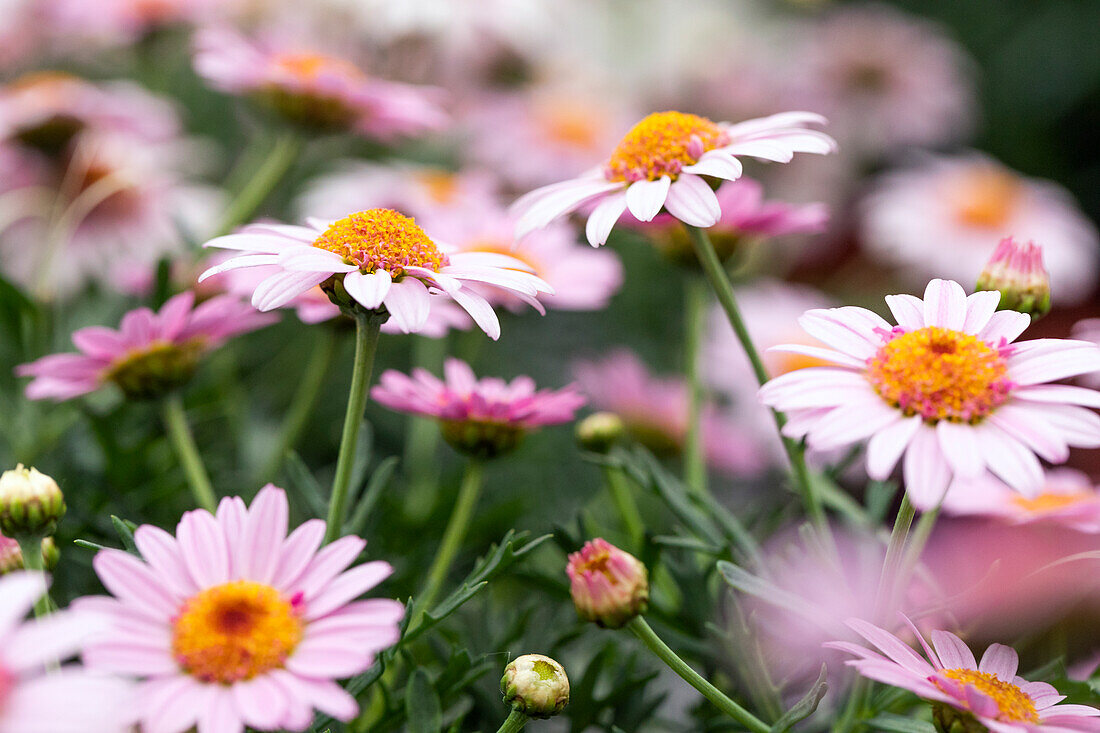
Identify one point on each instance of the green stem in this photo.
(422, 438)
(179, 434)
(648, 637)
(31, 549)
(695, 466)
(260, 185)
(720, 283)
(623, 499)
(468, 494)
(367, 325)
(514, 722)
(305, 399)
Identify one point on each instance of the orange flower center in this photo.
(308, 66)
(441, 186)
(986, 197)
(382, 239)
(1050, 502)
(940, 374)
(569, 124)
(235, 631)
(596, 562)
(1015, 704)
(661, 145)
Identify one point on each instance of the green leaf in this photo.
(89, 545)
(746, 582)
(125, 531)
(647, 471)
(890, 723)
(805, 707)
(304, 486)
(422, 708)
(379, 480)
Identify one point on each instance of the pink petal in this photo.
(908, 311)
(133, 581)
(260, 702)
(297, 552)
(205, 550)
(162, 552)
(346, 587)
(925, 470)
(951, 650)
(258, 556)
(1000, 660)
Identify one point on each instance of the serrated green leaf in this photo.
(890, 723)
(806, 706)
(375, 486)
(647, 471)
(422, 709)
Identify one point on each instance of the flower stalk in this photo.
(260, 185)
(367, 326)
(468, 494)
(514, 722)
(179, 434)
(695, 467)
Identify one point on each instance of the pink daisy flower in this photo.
(947, 388)
(36, 696)
(1089, 330)
(655, 411)
(1068, 498)
(380, 259)
(149, 354)
(480, 416)
(313, 88)
(233, 623)
(662, 162)
(945, 216)
(990, 691)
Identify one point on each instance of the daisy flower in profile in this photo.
(481, 417)
(149, 355)
(378, 259)
(945, 215)
(1068, 498)
(663, 162)
(35, 695)
(946, 387)
(989, 693)
(315, 89)
(233, 623)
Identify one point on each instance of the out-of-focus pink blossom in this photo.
(655, 411)
(1068, 498)
(944, 217)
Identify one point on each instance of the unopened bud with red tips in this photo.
(600, 431)
(609, 586)
(31, 503)
(535, 685)
(11, 557)
(1017, 272)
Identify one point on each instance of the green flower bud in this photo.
(31, 503)
(535, 685)
(600, 431)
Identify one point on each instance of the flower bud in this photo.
(535, 685)
(1017, 272)
(30, 503)
(600, 431)
(609, 586)
(11, 557)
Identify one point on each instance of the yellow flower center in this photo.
(235, 631)
(986, 197)
(940, 374)
(1015, 704)
(308, 66)
(155, 369)
(570, 124)
(441, 186)
(661, 145)
(382, 239)
(1050, 502)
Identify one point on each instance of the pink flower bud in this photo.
(609, 586)
(1017, 272)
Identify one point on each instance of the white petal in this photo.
(925, 470)
(885, 447)
(480, 310)
(692, 201)
(1007, 325)
(238, 262)
(603, 218)
(369, 290)
(313, 259)
(718, 164)
(960, 448)
(645, 198)
(908, 311)
(407, 301)
(945, 304)
(979, 309)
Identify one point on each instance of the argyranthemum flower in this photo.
(35, 695)
(233, 623)
(315, 89)
(379, 259)
(150, 353)
(664, 162)
(1068, 498)
(946, 387)
(484, 417)
(945, 216)
(989, 692)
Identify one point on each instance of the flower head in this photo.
(600, 431)
(1017, 272)
(535, 685)
(35, 695)
(150, 353)
(314, 89)
(942, 217)
(239, 623)
(609, 586)
(485, 417)
(946, 387)
(31, 503)
(374, 259)
(989, 692)
(1068, 499)
(661, 163)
